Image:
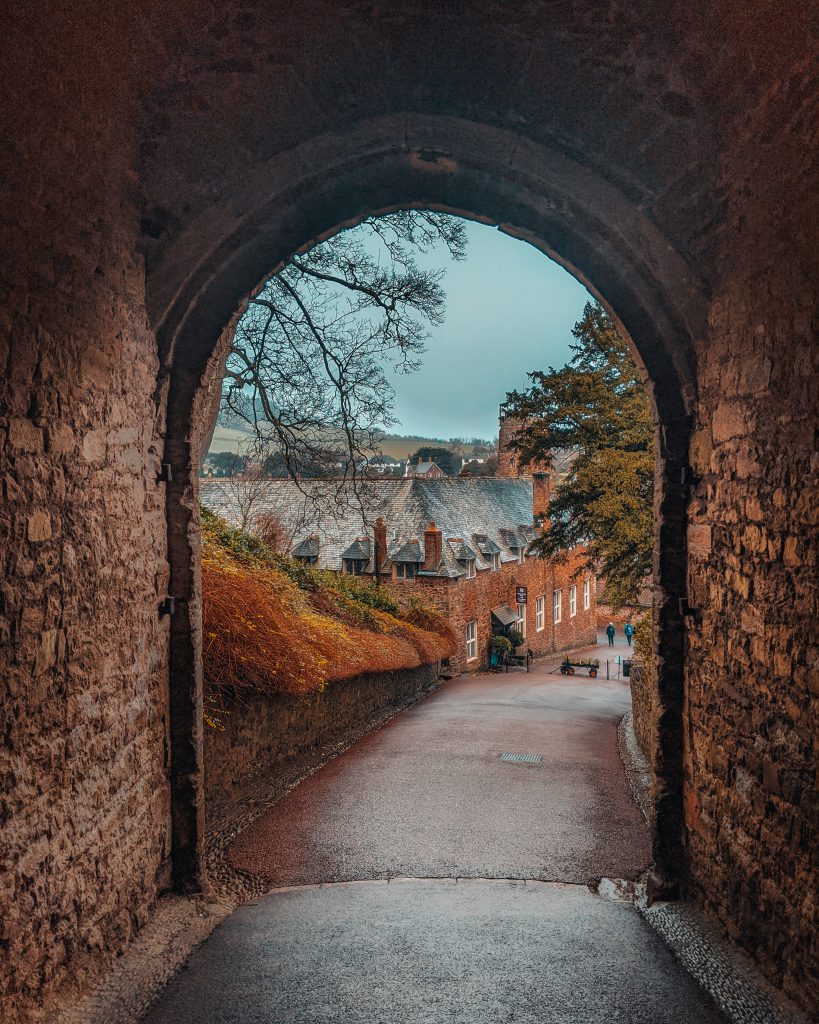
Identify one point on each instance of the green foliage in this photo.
(596, 406)
(445, 459)
(500, 645)
(515, 637)
(229, 462)
(246, 547)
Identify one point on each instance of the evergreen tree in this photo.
(443, 458)
(596, 408)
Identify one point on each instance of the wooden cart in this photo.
(569, 665)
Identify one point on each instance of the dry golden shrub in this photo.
(261, 632)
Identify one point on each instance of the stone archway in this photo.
(540, 196)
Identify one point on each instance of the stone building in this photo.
(423, 470)
(460, 544)
(161, 159)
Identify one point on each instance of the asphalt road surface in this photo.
(428, 795)
(420, 878)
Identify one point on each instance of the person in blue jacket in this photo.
(610, 631)
(629, 631)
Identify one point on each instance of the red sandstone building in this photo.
(459, 544)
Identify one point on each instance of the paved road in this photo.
(423, 952)
(427, 796)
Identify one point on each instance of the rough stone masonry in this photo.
(159, 159)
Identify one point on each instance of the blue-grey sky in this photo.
(510, 309)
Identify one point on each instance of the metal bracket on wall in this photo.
(165, 473)
(688, 476)
(166, 606)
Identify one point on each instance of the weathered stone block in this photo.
(38, 527)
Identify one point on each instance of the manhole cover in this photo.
(522, 758)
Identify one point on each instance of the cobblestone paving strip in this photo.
(728, 975)
(638, 769)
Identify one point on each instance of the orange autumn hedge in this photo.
(265, 632)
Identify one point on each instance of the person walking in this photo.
(610, 631)
(629, 631)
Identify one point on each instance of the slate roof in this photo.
(360, 549)
(485, 544)
(463, 508)
(461, 550)
(409, 552)
(308, 548)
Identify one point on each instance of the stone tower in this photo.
(507, 457)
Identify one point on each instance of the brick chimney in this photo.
(380, 548)
(433, 547)
(541, 491)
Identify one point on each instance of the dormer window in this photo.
(495, 562)
(306, 559)
(468, 564)
(406, 570)
(353, 566)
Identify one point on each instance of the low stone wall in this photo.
(263, 733)
(642, 704)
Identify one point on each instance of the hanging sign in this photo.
(521, 594)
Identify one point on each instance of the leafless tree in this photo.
(308, 368)
(278, 535)
(244, 491)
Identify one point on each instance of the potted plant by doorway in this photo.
(516, 638)
(499, 647)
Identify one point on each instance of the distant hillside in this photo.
(230, 439)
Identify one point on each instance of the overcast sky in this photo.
(510, 309)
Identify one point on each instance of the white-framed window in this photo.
(495, 562)
(520, 625)
(472, 640)
(586, 595)
(572, 601)
(557, 605)
(521, 554)
(539, 616)
(469, 565)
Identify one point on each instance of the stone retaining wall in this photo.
(643, 710)
(262, 733)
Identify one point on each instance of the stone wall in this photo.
(262, 734)
(85, 837)
(643, 706)
(751, 804)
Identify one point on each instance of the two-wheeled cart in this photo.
(568, 667)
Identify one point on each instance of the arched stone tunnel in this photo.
(162, 159)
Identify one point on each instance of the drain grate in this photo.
(522, 758)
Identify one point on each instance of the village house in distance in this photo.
(459, 544)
